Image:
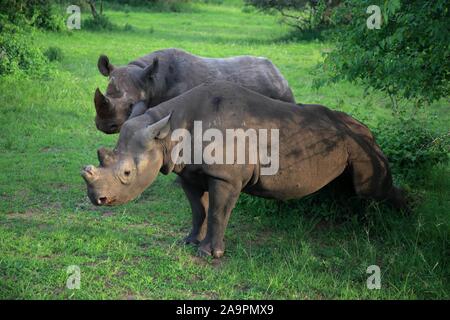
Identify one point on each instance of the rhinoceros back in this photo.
(181, 71)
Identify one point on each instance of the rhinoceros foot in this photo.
(205, 249)
(191, 240)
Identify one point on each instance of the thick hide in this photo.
(316, 145)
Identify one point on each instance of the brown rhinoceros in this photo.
(165, 74)
(315, 146)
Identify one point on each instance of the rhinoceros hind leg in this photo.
(397, 198)
(372, 177)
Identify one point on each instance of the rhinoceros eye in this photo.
(125, 176)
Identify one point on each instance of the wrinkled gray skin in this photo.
(165, 74)
(317, 145)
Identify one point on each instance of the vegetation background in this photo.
(314, 248)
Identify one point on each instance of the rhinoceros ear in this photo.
(104, 66)
(151, 70)
(157, 130)
(105, 156)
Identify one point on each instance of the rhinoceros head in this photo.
(125, 172)
(127, 85)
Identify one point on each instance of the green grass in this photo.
(132, 251)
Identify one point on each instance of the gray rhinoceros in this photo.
(165, 74)
(315, 146)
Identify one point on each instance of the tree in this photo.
(301, 14)
(408, 57)
(38, 13)
(94, 12)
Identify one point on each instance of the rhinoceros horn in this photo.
(105, 156)
(102, 105)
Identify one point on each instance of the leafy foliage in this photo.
(408, 57)
(130, 251)
(54, 53)
(38, 13)
(302, 14)
(17, 52)
(98, 23)
(143, 2)
(153, 5)
(128, 27)
(411, 146)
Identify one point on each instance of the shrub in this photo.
(408, 57)
(38, 13)
(172, 5)
(128, 27)
(54, 54)
(99, 23)
(153, 5)
(411, 146)
(302, 14)
(219, 2)
(247, 9)
(17, 52)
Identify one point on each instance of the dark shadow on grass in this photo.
(302, 35)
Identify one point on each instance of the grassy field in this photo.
(133, 251)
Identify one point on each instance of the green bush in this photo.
(411, 146)
(172, 5)
(17, 51)
(54, 54)
(38, 13)
(128, 27)
(153, 5)
(219, 2)
(99, 23)
(301, 14)
(247, 9)
(408, 57)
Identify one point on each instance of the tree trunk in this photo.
(93, 9)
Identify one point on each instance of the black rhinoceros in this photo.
(165, 74)
(313, 146)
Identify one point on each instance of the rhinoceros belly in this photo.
(305, 166)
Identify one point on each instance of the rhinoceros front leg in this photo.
(198, 199)
(222, 199)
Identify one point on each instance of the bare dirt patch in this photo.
(22, 215)
(108, 213)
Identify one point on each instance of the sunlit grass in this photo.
(132, 251)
